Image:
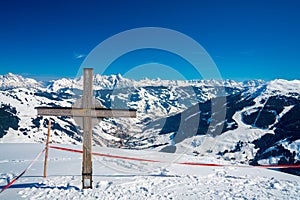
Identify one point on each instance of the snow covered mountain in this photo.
(261, 124)
(10, 81)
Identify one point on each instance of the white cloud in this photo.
(79, 55)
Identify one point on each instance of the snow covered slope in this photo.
(261, 125)
(124, 179)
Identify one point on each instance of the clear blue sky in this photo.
(246, 39)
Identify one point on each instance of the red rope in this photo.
(104, 155)
(181, 163)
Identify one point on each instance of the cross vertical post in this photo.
(87, 128)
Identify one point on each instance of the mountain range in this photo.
(253, 122)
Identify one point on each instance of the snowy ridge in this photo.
(283, 87)
(114, 81)
(10, 80)
(56, 85)
(118, 81)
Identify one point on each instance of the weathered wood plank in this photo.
(81, 112)
(87, 168)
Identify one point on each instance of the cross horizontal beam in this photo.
(81, 112)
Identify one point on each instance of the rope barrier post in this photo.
(47, 149)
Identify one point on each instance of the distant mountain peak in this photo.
(11, 80)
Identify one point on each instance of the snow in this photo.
(270, 161)
(293, 147)
(12, 81)
(284, 87)
(125, 179)
(228, 140)
(118, 81)
(25, 101)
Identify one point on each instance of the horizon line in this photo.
(46, 78)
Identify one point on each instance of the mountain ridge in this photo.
(11, 80)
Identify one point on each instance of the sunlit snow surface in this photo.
(124, 179)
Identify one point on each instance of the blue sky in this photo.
(246, 39)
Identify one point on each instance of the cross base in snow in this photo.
(87, 112)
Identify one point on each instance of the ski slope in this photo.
(128, 179)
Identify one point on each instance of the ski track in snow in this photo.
(124, 179)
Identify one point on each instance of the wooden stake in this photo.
(47, 148)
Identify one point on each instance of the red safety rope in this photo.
(103, 155)
(181, 163)
(29, 166)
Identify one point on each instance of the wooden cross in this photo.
(87, 112)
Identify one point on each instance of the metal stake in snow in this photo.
(87, 111)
